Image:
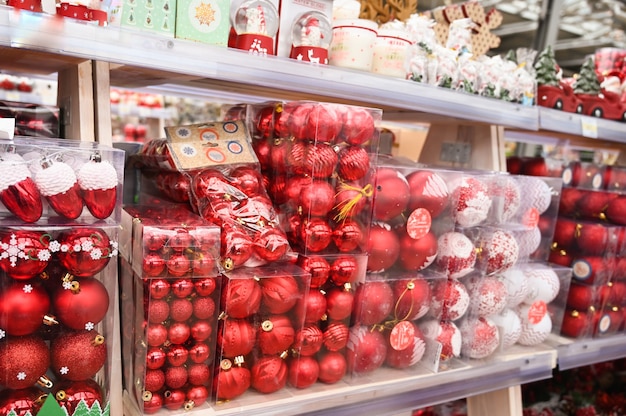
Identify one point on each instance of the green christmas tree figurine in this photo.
(587, 82)
(546, 68)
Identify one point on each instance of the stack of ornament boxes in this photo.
(590, 239)
(170, 297)
(59, 221)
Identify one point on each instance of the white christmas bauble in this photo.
(488, 295)
(536, 194)
(509, 325)
(449, 301)
(543, 284)
(446, 333)
(471, 201)
(480, 337)
(498, 251)
(536, 323)
(516, 286)
(507, 198)
(456, 254)
(528, 240)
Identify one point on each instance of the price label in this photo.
(589, 127)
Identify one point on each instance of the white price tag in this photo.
(589, 127)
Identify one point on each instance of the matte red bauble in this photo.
(373, 302)
(316, 234)
(22, 308)
(367, 349)
(354, 163)
(83, 307)
(565, 233)
(316, 198)
(176, 377)
(344, 269)
(336, 336)
(231, 381)
(279, 294)
(79, 355)
(198, 374)
(568, 203)
(333, 367)
(593, 204)
(241, 297)
(23, 254)
(69, 394)
(201, 330)
(85, 251)
(309, 340)
(269, 374)
(23, 360)
(383, 248)
(616, 210)
(21, 402)
(276, 334)
(322, 123)
(358, 125)
(391, 194)
(428, 190)
(177, 355)
(348, 236)
(318, 267)
(236, 337)
(417, 254)
(303, 372)
(411, 297)
(312, 307)
(339, 303)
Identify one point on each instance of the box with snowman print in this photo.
(68, 182)
(58, 311)
(170, 297)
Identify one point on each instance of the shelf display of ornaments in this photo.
(58, 276)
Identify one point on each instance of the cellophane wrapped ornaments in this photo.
(170, 300)
(212, 167)
(262, 315)
(58, 281)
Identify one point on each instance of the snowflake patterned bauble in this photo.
(22, 308)
(24, 254)
(78, 355)
(498, 251)
(69, 394)
(85, 251)
(82, 304)
(23, 361)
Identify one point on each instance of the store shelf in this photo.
(389, 391)
(580, 352)
(144, 59)
(581, 125)
(144, 112)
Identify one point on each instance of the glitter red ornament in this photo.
(176, 377)
(78, 355)
(198, 374)
(22, 308)
(23, 360)
(373, 302)
(180, 309)
(366, 351)
(154, 380)
(158, 311)
(203, 307)
(82, 305)
(275, 335)
(269, 374)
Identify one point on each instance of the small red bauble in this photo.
(592, 238)
(269, 374)
(358, 125)
(21, 402)
(264, 122)
(155, 358)
(203, 307)
(199, 352)
(231, 381)
(204, 181)
(24, 254)
(339, 303)
(156, 335)
(565, 232)
(383, 248)
(177, 355)
(159, 288)
(320, 161)
(236, 337)
(22, 307)
(70, 394)
(354, 163)
(201, 330)
(196, 395)
(373, 302)
(180, 309)
(271, 244)
(316, 234)
(568, 203)
(176, 377)
(348, 236)
(275, 335)
(316, 198)
(344, 269)
(406, 345)
(202, 265)
(303, 372)
(313, 307)
(23, 361)
(412, 298)
(241, 297)
(593, 204)
(236, 245)
(428, 190)
(322, 123)
(417, 254)
(205, 286)
(367, 349)
(318, 267)
(279, 155)
(153, 265)
(456, 254)
(309, 340)
(180, 240)
(333, 367)
(279, 294)
(78, 356)
(178, 333)
(247, 179)
(581, 297)
(153, 380)
(391, 194)
(174, 399)
(198, 374)
(616, 210)
(85, 251)
(158, 311)
(178, 265)
(335, 336)
(82, 307)
(152, 403)
(576, 323)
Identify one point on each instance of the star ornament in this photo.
(205, 13)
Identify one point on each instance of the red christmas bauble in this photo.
(176, 377)
(20, 402)
(236, 337)
(279, 156)
(593, 204)
(357, 125)
(373, 302)
(354, 163)
(201, 330)
(181, 309)
(177, 355)
(81, 307)
(178, 332)
(264, 122)
(339, 303)
(318, 267)
(568, 203)
(78, 355)
(581, 297)
(22, 307)
(309, 340)
(345, 269)
(412, 298)
(279, 294)
(159, 288)
(303, 372)
(205, 286)
(180, 240)
(320, 161)
(316, 234)
(156, 335)
(174, 399)
(248, 180)
(155, 358)
(18, 191)
(391, 194)
(322, 123)
(367, 349)
(592, 238)
(271, 244)
(153, 403)
(350, 199)
(205, 182)
(275, 335)
(199, 353)
(203, 307)
(565, 232)
(241, 297)
(23, 254)
(333, 367)
(231, 381)
(178, 265)
(348, 236)
(236, 246)
(316, 198)
(98, 182)
(383, 248)
(417, 254)
(450, 299)
(196, 396)
(23, 361)
(335, 336)
(198, 374)
(428, 190)
(616, 210)
(153, 264)
(456, 254)
(85, 251)
(153, 380)
(69, 394)
(312, 307)
(406, 345)
(269, 374)
(576, 323)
